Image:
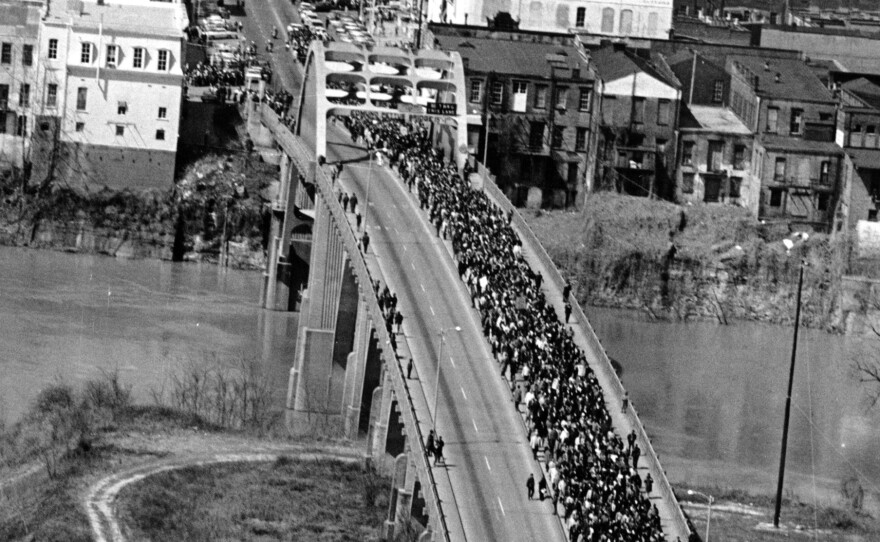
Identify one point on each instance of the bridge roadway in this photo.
(488, 457)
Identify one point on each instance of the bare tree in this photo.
(867, 369)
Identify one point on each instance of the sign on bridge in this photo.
(448, 109)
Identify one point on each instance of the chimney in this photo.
(766, 66)
(756, 81)
(778, 77)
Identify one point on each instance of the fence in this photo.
(302, 156)
(601, 364)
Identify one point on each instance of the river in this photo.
(712, 397)
(65, 317)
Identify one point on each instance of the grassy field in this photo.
(288, 500)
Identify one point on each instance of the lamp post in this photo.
(710, 500)
(437, 379)
(370, 153)
(797, 325)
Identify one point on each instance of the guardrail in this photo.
(302, 155)
(600, 356)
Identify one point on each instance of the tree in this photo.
(867, 368)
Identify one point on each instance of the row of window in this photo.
(27, 54)
(637, 113)
(24, 97)
(20, 124)
(625, 23)
(795, 123)
(520, 95)
(714, 155)
(557, 138)
(863, 136)
(120, 130)
(113, 55)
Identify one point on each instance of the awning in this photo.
(476, 120)
(566, 156)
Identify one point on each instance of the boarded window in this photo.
(607, 20)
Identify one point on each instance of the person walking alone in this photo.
(530, 486)
(365, 242)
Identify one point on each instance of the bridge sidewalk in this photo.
(613, 402)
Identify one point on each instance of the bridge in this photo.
(349, 380)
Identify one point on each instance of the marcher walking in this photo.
(567, 311)
(530, 486)
(365, 242)
(409, 368)
(542, 488)
(438, 451)
(625, 405)
(649, 484)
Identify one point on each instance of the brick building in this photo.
(537, 101)
(637, 135)
(860, 106)
(794, 117)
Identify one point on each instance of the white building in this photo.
(112, 75)
(615, 18)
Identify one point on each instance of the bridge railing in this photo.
(301, 154)
(601, 361)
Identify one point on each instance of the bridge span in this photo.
(349, 381)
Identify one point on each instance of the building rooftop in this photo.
(19, 14)
(797, 82)
(796, 144)
(512, 57)
(613, 63)
(865, 90)
(160, 19)
(707, 118)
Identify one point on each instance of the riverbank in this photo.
(696, 262)
(216, 208)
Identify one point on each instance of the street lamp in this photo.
(437, 379)
(370, 153)
(710, 500)
(797, 324)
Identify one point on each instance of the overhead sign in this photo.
(442, 109)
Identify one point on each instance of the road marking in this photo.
(422, 285)
(487, 462)
(413, 266)
(475, 425)
(463, 393)
(502, 507)
(432, 310)
(404, 249)
(452, 361)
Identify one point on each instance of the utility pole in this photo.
(797, 325)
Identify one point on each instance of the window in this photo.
(870, 136)
(51, 95)
(520, 96)
(475, 95)
(137, 60)
(607, 20)
(21, 126)
(734, 187)
(111, 56)
(772, 120)
(687, 183)
(823, 200)
(541, 97)
(85, 55)
(580, 139)
(824, 169)
(776, 197)
(6, 53)
(825, 117)
(536, 135)
(855, 136)
(715, 155)
(653, 23)
(626, 22)
(120, 130)
(4, 97)
(663, 112)
(639, 110)
(497, 93)
(718, 91)
(121, 108)
(558, 136)
(82, 94)
(563, 19)
(24, 97)
(53, 49)
(779, 170)
(44, 126)
(796, 125)
(661, 147)
(739, 156)
(580, 17)
(687, 153)
(163, 112)
(162, 65)
(27, 55)
(2, 122)
(585, 99)
(561, 97)
(80, 126)
(160, 135)
(711, 188)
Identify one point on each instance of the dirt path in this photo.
(182, 451)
